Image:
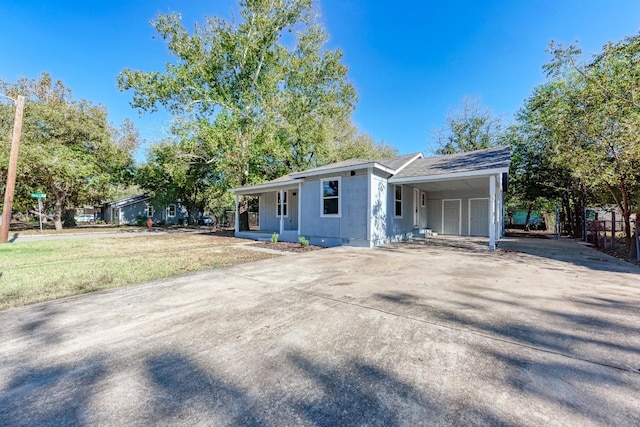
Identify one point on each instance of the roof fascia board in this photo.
(333, 171)
(275, 185)
(448, 176)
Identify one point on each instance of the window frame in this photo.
(423, 199)
(285, 204)
(396, 200)
(175, 211)
(323, 198)
(150, 211)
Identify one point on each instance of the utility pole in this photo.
(11, 173)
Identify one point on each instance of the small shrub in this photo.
(303, 241)
(274, 238)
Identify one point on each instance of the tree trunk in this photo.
(578, 218)
(527, 225)
(568, 215)
(57, 213)
(549, 219)
(626, 218)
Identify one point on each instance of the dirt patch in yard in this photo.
(287, 246)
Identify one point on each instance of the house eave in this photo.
(448, 176)
(333, 171)
(251, 189)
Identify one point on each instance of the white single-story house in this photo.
(372, 202)
(129, 210)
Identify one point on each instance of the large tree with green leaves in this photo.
(68, 148)
(538, 180)
(594, 112)
(470, 127)
(261, 95)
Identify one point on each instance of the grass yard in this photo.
(38, 271)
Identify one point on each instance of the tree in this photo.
(596, 114)
(351, 144)
(471, 127)
(171, 175)
(272, 102)
(537, 179)
(68, 149)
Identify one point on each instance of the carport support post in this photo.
(492, 214)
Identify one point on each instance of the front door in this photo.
(451, 217)
(293, 211)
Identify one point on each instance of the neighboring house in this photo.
(128, 210)
(369, 203)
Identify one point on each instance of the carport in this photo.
(463, 198)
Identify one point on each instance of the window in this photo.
(330, 197)
(423, 199)
(282, 205)
(171, 211)
(398, 201)
(149, 211)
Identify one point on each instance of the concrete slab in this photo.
(434, 334)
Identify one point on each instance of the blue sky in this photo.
(411, 62)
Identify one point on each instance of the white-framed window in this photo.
(330, 196)
(423, 199)
(282, 205)
(397, 197)
(149, 211)
(171, 211)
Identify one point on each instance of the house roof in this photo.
(128, 201)
(282, 182)
(490, 160)
(334, 167)
(406, 168)
(396, 163)
(391, 165)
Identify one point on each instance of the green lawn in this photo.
(45, 270)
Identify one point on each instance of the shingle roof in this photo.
(395, 163)
(490, 158)
(128, 201)
(331, 166)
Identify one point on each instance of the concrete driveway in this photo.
(436, 334)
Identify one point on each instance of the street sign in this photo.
(38, 195)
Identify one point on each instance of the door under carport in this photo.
(451, 216)
(479, 217)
